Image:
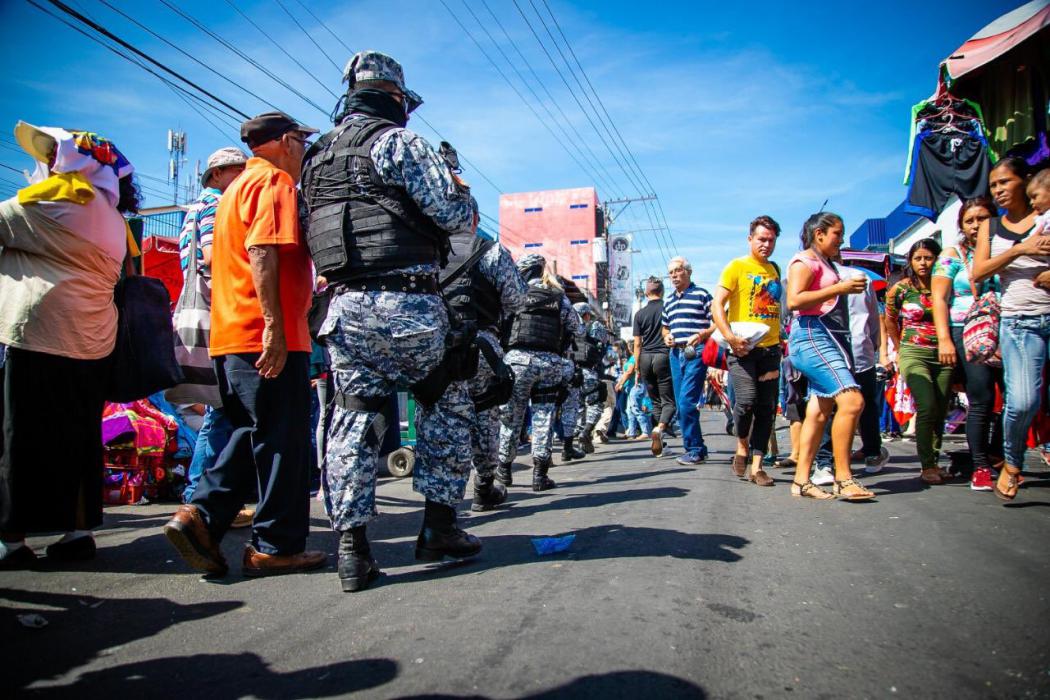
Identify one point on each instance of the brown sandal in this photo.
(739, 466)
(839, 491)
(932, 476)
(1012, 483)
(760, 478)
(810, 490)
(786, 463)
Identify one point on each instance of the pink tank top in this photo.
(823, 276)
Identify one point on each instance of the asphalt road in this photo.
(681, 582)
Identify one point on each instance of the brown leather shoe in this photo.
(243, 519)
(739, 466)
(760, 478)
(189, 535)
(256, 563)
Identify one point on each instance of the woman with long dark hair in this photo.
(62, 241)
(1006, 247)
(910, 325)
(819, 348)
(953, 295)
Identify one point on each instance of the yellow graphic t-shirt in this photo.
(754, 295)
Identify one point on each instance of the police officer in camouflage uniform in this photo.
(483, 286)
(589, 355)
(382, 204)
(569, 407)
(536, 339)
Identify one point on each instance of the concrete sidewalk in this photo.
(681, 582)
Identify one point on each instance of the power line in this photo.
(312, 41)
(326, 27)
(112, 37)
(572, 93)
(629, 154)
(528, 104)
(187, 54)
(192, 20)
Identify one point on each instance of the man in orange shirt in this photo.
(262, 280)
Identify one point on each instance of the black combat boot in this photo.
(440, 537)
(587, 442)
(503, 474)
(488, 493)
(357, 568)
(540, 481)
(569, 453)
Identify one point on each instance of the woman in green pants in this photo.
(910, 325)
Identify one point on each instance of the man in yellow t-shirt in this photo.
(750, 290)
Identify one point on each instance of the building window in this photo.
(533, 245)
(533, 210)
(582, 241)
(577, 206)
(581, 277)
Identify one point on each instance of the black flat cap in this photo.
(269, 127)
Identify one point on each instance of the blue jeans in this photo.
(637, 419)
(214, 434)
(688, 377)
(1024, 341)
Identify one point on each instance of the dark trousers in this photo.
(984, 429)
(269, 447)
(655, 368)
(619, 411)
(870, 438)
(754, 402)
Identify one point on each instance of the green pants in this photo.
(929, 382)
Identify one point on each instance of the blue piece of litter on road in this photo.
(552, 545)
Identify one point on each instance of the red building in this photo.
(560, 225)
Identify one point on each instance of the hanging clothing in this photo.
(946, 163)
(925, 111)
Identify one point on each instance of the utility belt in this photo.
(551, 394)
(399, 282)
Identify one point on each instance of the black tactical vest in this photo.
(359, 226)
(587, 351)
(471, 294)
(538, 326)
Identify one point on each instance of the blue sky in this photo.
(732, 109)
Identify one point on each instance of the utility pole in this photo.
(618, 294)
(176, 159)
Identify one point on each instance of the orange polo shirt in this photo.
(259, 208)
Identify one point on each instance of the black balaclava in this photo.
(376, 103)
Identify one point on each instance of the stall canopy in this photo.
(997, 38)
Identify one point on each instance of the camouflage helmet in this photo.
(531, 265)
(374, 65)
(582, 307)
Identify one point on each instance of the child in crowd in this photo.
(1038, 191)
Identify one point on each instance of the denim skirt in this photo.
(819, 358)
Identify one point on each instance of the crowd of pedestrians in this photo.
(370, 232)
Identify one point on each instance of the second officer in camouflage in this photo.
(382, 204)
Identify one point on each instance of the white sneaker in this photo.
(873, 465)
(822, 477)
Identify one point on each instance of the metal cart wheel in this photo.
(401, 461)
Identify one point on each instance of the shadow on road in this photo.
(598, 542)
(608, 686)
(83, 628)
(224, 676)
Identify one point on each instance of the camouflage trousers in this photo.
(484, 431)
(570, 408)
(379, 342)
(532, 369)
(591, 410)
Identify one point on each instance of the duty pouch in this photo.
(577, 378)
(502, 387)
(460, 362)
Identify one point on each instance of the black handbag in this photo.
(143, 361)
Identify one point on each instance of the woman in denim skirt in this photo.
(819, 347)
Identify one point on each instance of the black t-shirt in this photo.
(648, 325)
